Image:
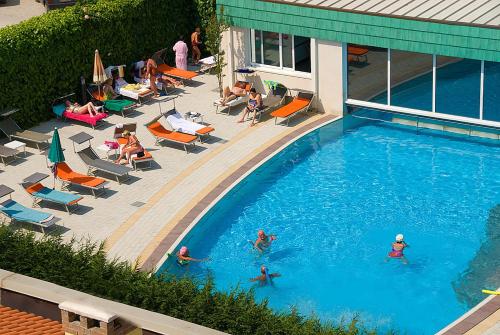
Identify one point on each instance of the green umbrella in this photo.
(56, 154)
(55, 151)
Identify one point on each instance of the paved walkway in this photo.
(15, 11)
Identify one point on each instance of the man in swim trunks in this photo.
(195, 44)
(397, 249)
(264, 275)
(263, 241)
(183, 257)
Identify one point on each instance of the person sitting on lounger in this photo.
(265, 277)
(88, 108)
(263, 241)
(254, 104)
(228, 94)
(133, 146)
(183, 257)
(108, 87)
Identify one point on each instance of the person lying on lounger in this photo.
(228, 94)
(254, 104)
(133, 146)
(76, 108)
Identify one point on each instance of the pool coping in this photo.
(194, 215)
(473, 317)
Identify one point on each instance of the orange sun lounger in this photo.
(161, 134)
(176, 73)
(70, 177)
(300, 103)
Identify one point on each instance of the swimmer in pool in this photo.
(263, 241)
(397, 249)
(183, 257)
(265, 276)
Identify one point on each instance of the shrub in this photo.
(83, 266)
(44, 57)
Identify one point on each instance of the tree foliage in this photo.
(216, 27)
(83, 266)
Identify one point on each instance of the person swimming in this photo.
(183, 257)
(263, 241)
(265, 277)
(398, 248)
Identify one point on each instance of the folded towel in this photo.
(178, 123)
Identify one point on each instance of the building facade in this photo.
(438, 59)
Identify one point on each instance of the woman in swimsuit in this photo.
(151, 73)
(195, 43)
(76, 108)
(254, 104)
(397, 249)
(183, 257)
(132, 147)
(228, 94)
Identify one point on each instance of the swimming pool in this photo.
(336, 198)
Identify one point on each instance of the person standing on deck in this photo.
(195, 43)
(181, 53)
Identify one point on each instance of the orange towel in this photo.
(158, 130)
(175, 72)
(295, 106)
(64, 172)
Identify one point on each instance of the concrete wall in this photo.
(325, 78)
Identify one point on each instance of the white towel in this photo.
(178, 123)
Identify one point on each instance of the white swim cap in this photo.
(399, 237)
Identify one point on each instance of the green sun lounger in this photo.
(118, 105)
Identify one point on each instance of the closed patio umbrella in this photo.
(99, 74)
(56, 154)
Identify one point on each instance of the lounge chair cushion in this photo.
(159, 131)
(175, 72)
(42, 192)
(65, 173)
(205, 130)
(293, 107)
(18, 212)
(117, 105)
(87, 118)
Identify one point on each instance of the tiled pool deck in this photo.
(177, 190)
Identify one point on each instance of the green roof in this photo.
(374, 30)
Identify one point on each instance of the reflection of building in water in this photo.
(484, 269)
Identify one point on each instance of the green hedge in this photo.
(44, 57)
(84, 267)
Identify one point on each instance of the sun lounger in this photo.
(161, 134)
(300, 103)
(356, 52)
(117, 105)
(40, 193)
(69, 177)
(235, 102)
(10, 128)
(14, 211)
(95, 163)
(207, 63)
(59, 109)
(6, 153)
(176, 73)
(271, 101)
(178, 123)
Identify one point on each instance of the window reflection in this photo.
(491, 99)
(458, 83)
(271, 48)
(367, 73)
(411, 80)
(302, 47)
(287, 50)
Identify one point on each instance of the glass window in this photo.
(258, 47)
(458, 83)
(411, 80)
(281, 50)
(367, 73)
(491, 97)
(286, 48)
(271, 48)
(302, 48)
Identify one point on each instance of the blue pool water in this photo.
(336, 198)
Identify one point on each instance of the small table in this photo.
(198, 117)
(104, 148)
(17, 145)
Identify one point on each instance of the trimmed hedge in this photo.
(84, 267)
(44, 57)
